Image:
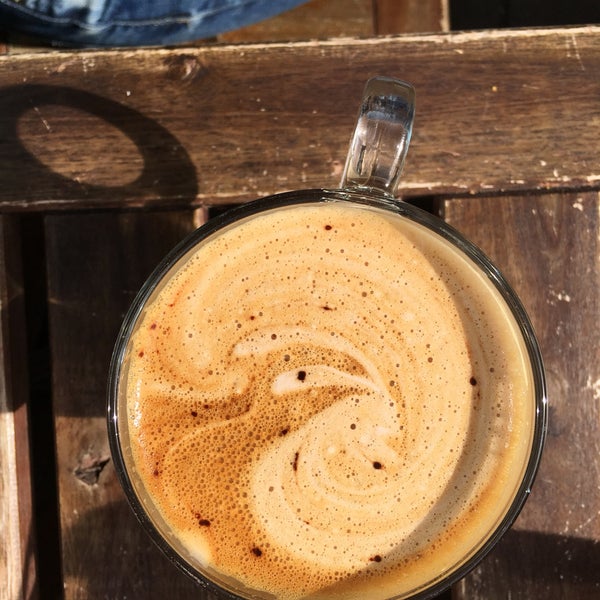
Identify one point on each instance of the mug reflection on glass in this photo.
(328, 393)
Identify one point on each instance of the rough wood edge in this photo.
(451, 37)
(17, 559)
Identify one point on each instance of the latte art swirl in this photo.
(349, 471)
(323, 398)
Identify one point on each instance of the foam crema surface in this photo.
(329, 401)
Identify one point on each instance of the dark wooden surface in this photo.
(548, 246)
(108, 158)
(112, 253)
(18, 545)
(506, 112)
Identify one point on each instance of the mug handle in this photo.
(381, 137)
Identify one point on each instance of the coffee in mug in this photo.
(329, 394)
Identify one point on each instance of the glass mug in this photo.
(328, 393)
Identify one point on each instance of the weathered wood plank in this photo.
(497, 111)
(409, 16)
(96, 263)
(317, 19)
(322, 19)
(548, 247)
(17, 538)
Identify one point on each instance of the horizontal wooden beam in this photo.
(496, 111)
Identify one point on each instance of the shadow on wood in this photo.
(539, 559)
(44, 164)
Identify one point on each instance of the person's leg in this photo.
(133, 22)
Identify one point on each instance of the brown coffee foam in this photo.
(312, 403)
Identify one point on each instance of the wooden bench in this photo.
(108, 158)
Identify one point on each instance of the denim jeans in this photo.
(133, 22)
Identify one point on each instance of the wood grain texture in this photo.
(548, 247)
(409, 16)
(97, 140)
(17, 538)
(96, 264)
(317, 19)
(496, 111)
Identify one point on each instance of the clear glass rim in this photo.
(316, 196)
